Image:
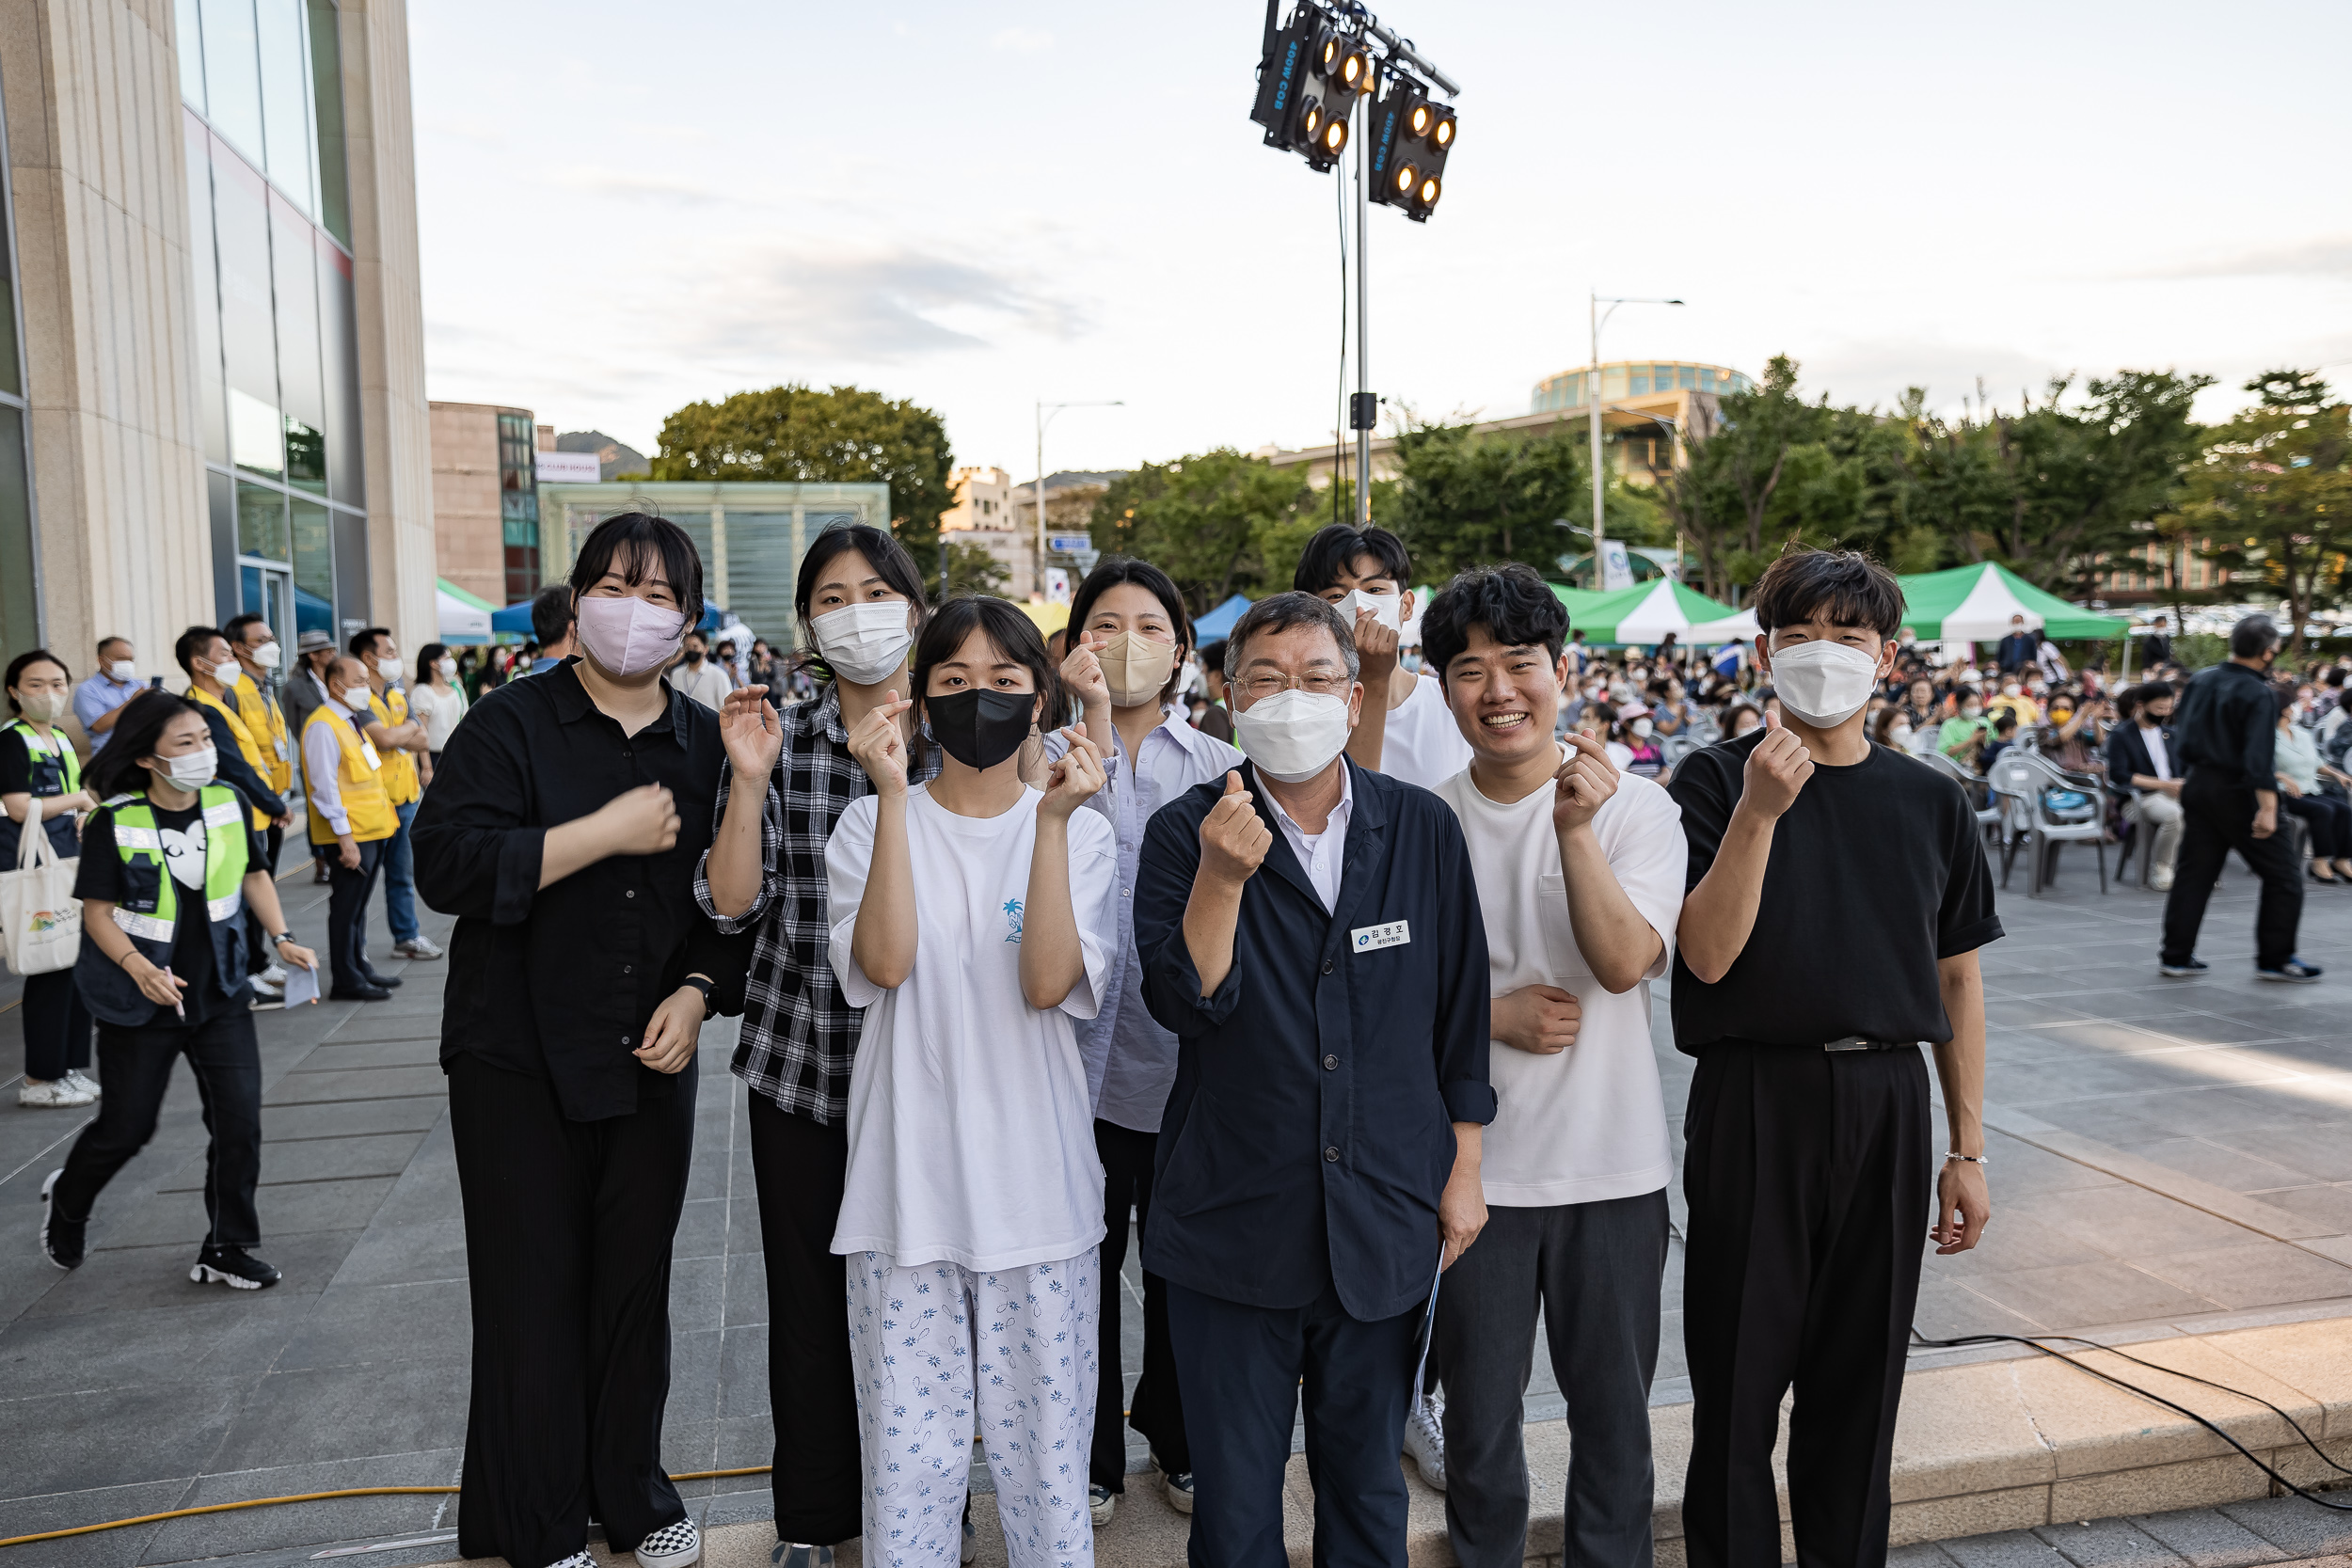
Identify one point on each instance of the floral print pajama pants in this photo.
(934, 1344)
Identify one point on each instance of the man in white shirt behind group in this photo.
(1580, 873)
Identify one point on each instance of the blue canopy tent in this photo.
(516, 618)
(1218, 622)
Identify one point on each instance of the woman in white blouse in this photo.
(972, 1214)
(436, 699)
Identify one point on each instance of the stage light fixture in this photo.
(1408, 159)
(1288, 78)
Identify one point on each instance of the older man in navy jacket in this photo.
(1311, 934)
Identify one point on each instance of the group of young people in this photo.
(1346, 1022)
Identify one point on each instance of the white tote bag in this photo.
(41, 920)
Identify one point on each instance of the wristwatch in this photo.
(282, 938)
(702, 986)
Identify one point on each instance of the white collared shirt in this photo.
(1320, 854)
(2159, 758)
(322, 764)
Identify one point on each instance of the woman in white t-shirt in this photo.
(972, 1213)
(436, 698)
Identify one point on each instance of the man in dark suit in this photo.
(2143, 773)
(2018, 648)
(1311, 933)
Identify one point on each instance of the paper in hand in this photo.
(302, 984)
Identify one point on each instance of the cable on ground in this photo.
(312, 1498)
(2034, 1342)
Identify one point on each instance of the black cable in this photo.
(1338, 409)
(2034, 1343)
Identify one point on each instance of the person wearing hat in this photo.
(306, 689)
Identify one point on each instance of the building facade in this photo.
(1649, 411)
(751, 533)
(485, 499)
(212, 233)
(983, 519)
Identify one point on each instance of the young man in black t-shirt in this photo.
(1838, 893)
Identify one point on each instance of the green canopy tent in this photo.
(1975, 603)
(1643, 613)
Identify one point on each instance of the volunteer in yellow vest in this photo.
(168, 872)
(352, 819)
(41, 782)
(401, 741)
(259, 659)
(215, 678)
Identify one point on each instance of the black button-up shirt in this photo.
(560, 982)
(2226, 727)
(1310, 1132)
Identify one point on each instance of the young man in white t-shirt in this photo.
(1405, 730)
(1581, 873)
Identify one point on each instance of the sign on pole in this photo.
(1616, 570)
(1057, 585)
(1068, 543)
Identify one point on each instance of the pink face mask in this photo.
(628, 636)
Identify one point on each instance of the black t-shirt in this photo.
(185, 848)
(1876, 872)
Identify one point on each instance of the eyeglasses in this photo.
(1319, 684)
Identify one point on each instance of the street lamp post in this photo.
(1044, 418)
(1591, 402)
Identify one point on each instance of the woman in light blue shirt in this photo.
(2328, 817)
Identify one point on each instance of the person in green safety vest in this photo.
(40, 781)
(169, 864)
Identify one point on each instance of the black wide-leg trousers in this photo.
(569, 1226)
(1158, 1410)
(1810, 1179)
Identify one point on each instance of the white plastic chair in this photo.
(1990, 814)
(2024, 781)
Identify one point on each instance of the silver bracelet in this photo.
(1972, 1159)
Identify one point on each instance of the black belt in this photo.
(1857, 1043)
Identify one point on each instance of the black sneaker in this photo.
(358, 993)
(2183, 969)
(235, 1267)
(2294, 972)
(62, 1240)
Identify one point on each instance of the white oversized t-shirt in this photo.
(1420, 743)
(971, 1132)
(1589, 1123)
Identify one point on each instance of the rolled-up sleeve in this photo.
(476, 855)
(771, 858)
(1171, 986)
(1463, 1027)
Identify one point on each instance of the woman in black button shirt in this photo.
(562, 830)
(40, 778)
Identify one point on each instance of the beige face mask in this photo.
(1134, 668)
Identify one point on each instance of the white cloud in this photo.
(2326, 257)
(1023, 41)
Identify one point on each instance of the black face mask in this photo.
(980, 729)
(694, 656)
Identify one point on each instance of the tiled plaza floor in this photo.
(2168, 1153)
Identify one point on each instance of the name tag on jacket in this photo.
(1371, 939)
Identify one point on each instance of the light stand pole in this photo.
(1037, 581)
(1591, 402)
(1363, 410)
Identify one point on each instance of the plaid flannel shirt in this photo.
(800, 1037)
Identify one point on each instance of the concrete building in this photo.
(485, 499)
(1648, 409)
(983, 519)
(212, 391)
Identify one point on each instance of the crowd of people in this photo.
(1310, 963)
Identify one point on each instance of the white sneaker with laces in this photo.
(670, 1546)
(1102, 1502)
(1424, 1440)
(55, 1095)
(418, 947)
(274, 977)
(87, 1085)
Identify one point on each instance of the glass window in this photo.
(286, 100)
(212, 410)
(306, 457)
(313, 567)
(221, 498)
(1640, 382)
(262, 523)
(232, 74)
(189, 45)
(760, 570)
(326, 80)
(351, 573)
(257, 433)
(20, 601)
(1687, 376)
(294, 274)
(1612, 382)
(339, 370)
(248, 327)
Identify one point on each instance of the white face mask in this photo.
(1641, 728)
(266, 656)
(1823, 682)
(1385, 608)
(1292, 736)
(47, 707)
(445, 667)
(389, 669)
(123, 672)
(194, 769)
(866, 642)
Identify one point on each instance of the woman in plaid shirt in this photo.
(790, 776)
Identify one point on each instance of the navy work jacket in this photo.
(1310, 1133)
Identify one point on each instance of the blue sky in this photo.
(977, 205)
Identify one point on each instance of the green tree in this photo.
(1217, 522)
(838, 435)
(2274, 490)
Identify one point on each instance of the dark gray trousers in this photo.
(1595, 1270)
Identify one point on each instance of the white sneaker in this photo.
(55, 1094)
(1102, 1502)
(274, 977)
(578, 1559)
(423, 947)
(1424, 1440)
(87, 1085)
(2160, 881)
(670, 1546)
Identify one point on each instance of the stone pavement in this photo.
(2169, 1155)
